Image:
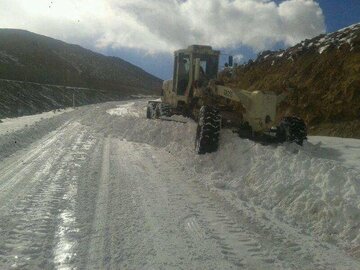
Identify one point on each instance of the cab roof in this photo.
(201, 49)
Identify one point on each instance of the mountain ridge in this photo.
(28, 56)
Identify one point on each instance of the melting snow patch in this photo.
(7, 58)
(127, 109)
(322, 49)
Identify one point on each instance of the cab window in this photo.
(183, 73)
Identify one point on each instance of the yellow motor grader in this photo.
(195, 92)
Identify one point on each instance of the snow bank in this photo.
(320, 195)
(9, 125)
(18, 133)
(341, 149)
(315, 187)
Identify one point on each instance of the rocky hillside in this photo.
(25, 56)
(323, 76)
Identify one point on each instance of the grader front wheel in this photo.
(208, 130)
(151, 110)
(163, 109)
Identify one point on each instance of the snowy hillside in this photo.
(347, 37)
(103, 187)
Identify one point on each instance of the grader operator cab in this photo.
(195, 92)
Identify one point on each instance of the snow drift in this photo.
(320, 195)
(308, 187)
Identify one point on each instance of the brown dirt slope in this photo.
(322, 75)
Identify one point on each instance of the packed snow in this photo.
(109, 188)
(315, 187)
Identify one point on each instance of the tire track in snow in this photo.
(209, 220)
(31, 212)
(247, 240)
(117, 241)
(289, 245)
(144, 227)
(168, 198)
(237, 244)
(10, 171)
(150, 211)
(39, 216)
(67, 230)
(96, 253)
(265, 242)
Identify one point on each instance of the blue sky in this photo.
(146, 33)
(340, 13)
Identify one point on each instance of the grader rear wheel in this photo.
(292, 129)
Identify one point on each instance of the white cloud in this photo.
(165, 25)
(238, 58)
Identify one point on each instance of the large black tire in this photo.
(292, 129)
(208, 130)
(163, 109)
(151, 109)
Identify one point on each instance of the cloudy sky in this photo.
(146, 32)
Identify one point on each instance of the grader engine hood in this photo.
(260, 106)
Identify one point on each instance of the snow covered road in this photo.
(105, 188)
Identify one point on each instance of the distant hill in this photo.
(323, 75)
(26, 56)
(18, 98)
